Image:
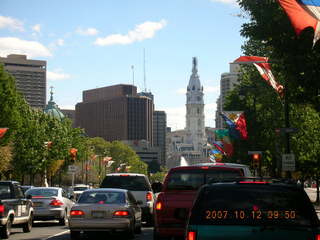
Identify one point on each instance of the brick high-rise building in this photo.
(116, 113)
(30, 78)
(159, 134)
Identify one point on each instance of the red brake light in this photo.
(204, 167)
(159, 206)
(191, 236)
(76, 213)
(56, 202)
(121, 213)
(1, 208)
(317, 237)
(124, 175)
(149, 196)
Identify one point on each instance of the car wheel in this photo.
(130, 232)
(28, 225)
(6, 229)
(149, 220)
(138, 229)
(75, 235)
(62, 221)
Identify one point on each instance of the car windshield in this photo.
(44, 192)
(5, 191)
(133, 183)
(193, 179)
(100, 197)
(80, 188)
(259, 205)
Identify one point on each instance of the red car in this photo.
(179, 190)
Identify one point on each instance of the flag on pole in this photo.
(3, 132)
(262, 65)
(303, 14)
(237, 123)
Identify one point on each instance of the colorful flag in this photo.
(303, 14)
(222, 133)
(219, 147)
(231, 125)
(238, 128)
(261, 63)
(3, 132)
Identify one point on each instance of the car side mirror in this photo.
(71, 197)
(139, 202)
(29, 196)
(156, 187)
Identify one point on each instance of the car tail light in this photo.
(159, 206)
(121, 213)
(205, 167)
(1, 209)
(191, 235)
(317, 237)
(76, 213)
(56, 202)
(149, 196)
(124, 175)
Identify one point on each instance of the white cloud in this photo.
(11, 23)
(57, 75)
(67, 107)
(211, 89)
(60, 42)
(37, 28)
(232, 2)
(11, 45)
(87, 32)
(181, 91)
(141, 32)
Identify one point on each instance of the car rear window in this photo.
(80, 188)
(194, 178)
(102, 197)
(248, 205)
(132, 183)
(5, 191)
(44, 192)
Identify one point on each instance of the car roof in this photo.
(8, 181)
(213, 165)
(107, 189)
(126, 174)
(254, 184)
(57, 188)
(81, 185)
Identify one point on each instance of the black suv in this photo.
(252, 209)
(15, 209)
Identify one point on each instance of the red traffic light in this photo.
(256, 156)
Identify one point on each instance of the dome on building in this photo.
(52, 108)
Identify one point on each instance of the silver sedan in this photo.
(106, 209)
(50, 203)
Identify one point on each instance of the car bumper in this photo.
(99, 224)
(146, 212)
(46, 214)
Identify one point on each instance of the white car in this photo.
(78, 189)
(139, 186)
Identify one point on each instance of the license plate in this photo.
(37, 204)
(98, 214)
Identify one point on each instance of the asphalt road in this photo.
(51, 231)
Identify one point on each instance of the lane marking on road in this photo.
(58, 234)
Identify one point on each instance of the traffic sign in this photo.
(72, 168)
(288, 162)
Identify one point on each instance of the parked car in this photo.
(24, 188)
(78, 189)
(139, 186)
(106, 209)
(50, 203)
(252, 210)
(15, 209)
(179, 189)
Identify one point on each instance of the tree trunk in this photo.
(317, 182)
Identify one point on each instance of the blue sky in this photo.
(89, 44)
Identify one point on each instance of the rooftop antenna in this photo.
(144, 69)
(132, 68)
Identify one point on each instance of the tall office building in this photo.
(115, 113)
(227, 83)
(30, 78)
(159, 134)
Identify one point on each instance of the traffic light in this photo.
(256, 160)
(73, 154)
